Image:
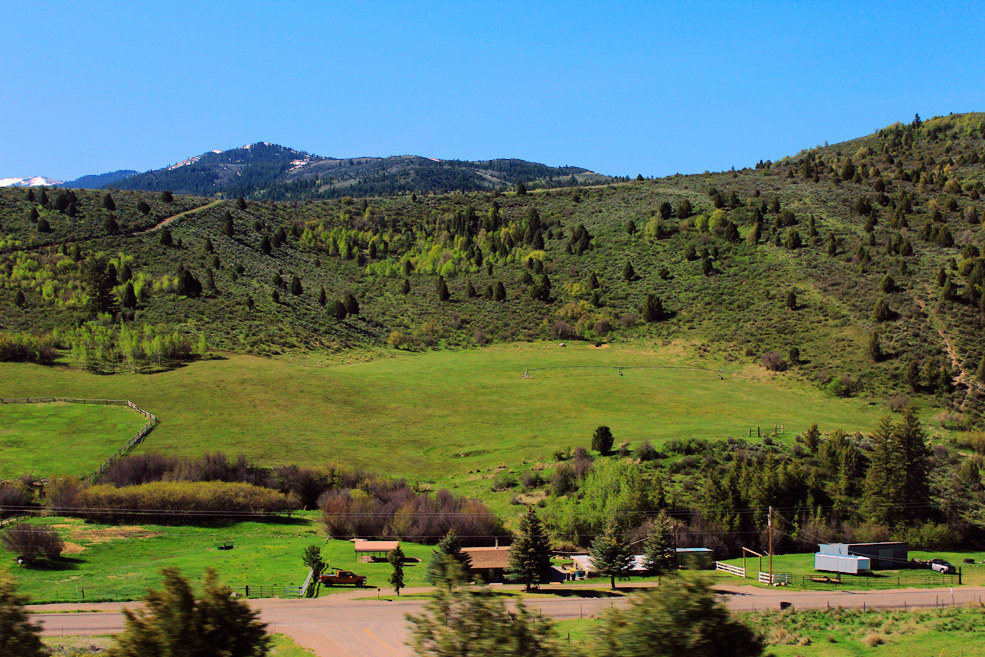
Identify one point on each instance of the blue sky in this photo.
(617, 87)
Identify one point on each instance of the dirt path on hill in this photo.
(962, 378)
(165, 222)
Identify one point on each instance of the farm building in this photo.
(696, 558)
(373, 550)
(841, 563)
(488, 563)
(881, 556)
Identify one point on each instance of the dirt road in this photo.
(343, 626)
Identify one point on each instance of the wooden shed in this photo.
(373, 550)
(488, 563)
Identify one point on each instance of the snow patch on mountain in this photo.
(34, 181)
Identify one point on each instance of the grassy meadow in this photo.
(59, 438)
(111, 562)
(429, 416)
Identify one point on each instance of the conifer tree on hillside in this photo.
(897, 484)
(530, 554)
(659, 553)
(448, 563)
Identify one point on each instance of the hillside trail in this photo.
(161, 224)
(164, 222)
(963, 377)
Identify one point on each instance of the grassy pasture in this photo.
(60, 438)
(431, 415)
(111, 562)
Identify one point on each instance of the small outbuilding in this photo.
(374, 550)
(842, 563)
(882, 556)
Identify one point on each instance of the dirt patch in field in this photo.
(107, 534)
(72, 548)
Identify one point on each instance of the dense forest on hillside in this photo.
(266, 171)
(859, 266)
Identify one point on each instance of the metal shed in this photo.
(838, 563)
(882, 556)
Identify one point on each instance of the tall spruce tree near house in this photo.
(530, 554)
(396, 559)
(611, 554)
(448, 563)
(659, 549)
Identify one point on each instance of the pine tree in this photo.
(653, 308)
(337, 310)
(897, 483)
(610, 553)
(405, 287)
(660, 555)
(19, 299)
(875, 348)
(19, 637)
(602, 440)
(227, 224)
(500, 291)
(99, 284)
(43, 225)
(110, 225)
(166, 238)
(351, 305)
(448, 564)
(470, 290)
(530, 554)
(322, 297)
(109, 203)
(129, 298)
(792, 299)
(241, 203)
(296, 288)
(912, 375)
(265, 245)
(442, 289)
(812, 439)
(396, 559)
(628, 272)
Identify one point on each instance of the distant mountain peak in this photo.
(34, 181)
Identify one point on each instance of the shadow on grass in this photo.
(583, 593)
(57, 564)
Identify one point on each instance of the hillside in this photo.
(95, 181)
(271, 172)
(863, 256)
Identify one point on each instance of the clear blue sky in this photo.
(617, 87)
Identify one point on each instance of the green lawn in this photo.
(58, 438)
(76, 646)
(800, 565)
(436, 414)
(109, 562)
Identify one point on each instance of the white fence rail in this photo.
(778, 578)
(738, 571)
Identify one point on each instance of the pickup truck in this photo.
(342, 577)
(942, 566)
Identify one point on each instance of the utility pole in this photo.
(770, 523)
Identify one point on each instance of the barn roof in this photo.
(375, 546)
(489, 557)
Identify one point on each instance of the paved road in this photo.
(342, 626)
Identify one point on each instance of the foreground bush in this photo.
(175, 624)
(18, 636)
(183, 497)
(32, 543)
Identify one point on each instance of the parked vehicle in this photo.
(342, 577)
(942, 566)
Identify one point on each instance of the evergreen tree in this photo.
(241, 203)
(897, 487)
(611, 555)
(792, 299)
(19, 299)
(660, 555)
(500, 291)
(448, 564)
(881, 312)
(812, 438)
(521, 189)
(630, 227)
(43, 225)
(166, 238)
(470, 290)
(593, 282)
(653, 308)
(683, 618)
(19, 637)
(99, 284)
(265, 245)
(912, 375)
(322, 297)
(405, 287)
(167, 197)
(296, 288)
(172, 623)
(530, 554)
(707, 268)
(337, 310)
(602, 440)
(628, 272)
(275, 296)
(888, 284)
(396, 559)
(188, 285)
(143, 208)
(129, 298)
(110, 225)
(227, 224)
(109, 203)
(351, 305)
(442, 289)
(875, 348)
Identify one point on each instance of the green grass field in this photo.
(799, 566)
(435, 414)
(946, 632)
(76, 646)
(109, 562)
(58, 438)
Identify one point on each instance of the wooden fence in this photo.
(125, 449)
(738, 571)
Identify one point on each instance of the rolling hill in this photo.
(857, 267)
(271, 172)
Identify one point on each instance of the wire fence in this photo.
(922, 579)
(125, 449)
